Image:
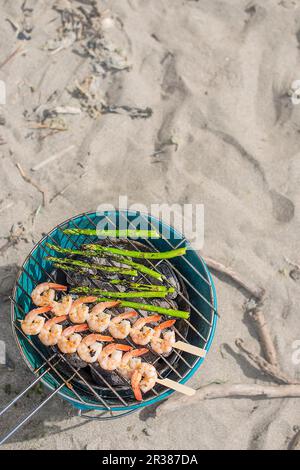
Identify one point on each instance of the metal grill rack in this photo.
(65, 380)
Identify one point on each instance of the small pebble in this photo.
(295, 274)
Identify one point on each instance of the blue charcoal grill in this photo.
(93, 390)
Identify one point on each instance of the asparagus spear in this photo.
(117, 295)
(113, 233)
(121, 259)
(136, 254)
(122, 282)
(151, 308)
(108, 269)
(137, 285)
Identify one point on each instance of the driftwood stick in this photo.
(213, 391)
(34, 184)
(265, 338)
(256, 292)
(62, 191)
(11, 56)
(269, 369)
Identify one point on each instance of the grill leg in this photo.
(101, 417)
(23, 421)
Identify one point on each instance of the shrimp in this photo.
(131, 361)
(143, 379)
(44, 293)
(33, 321)
(98, 320)
(163, 345)
(69, 340)
(119, 327)
(51, 331)
(142, 334)
(79, 311)
(111, 356)
(89, 348)
(63, 307)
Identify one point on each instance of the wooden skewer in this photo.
(189, 348)
(177, 386)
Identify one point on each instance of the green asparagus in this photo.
(137, 254)
(107, 269)
(113, 233)
(117, 295)
(120, 259)
(151, 308)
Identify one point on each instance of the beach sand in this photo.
(216, 75)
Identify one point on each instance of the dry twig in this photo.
(8, 206)
(255, 292)
(53, 157)
(269, 369)
(264, 334)
(60, 193)
(34, 184)
(213, 391)
(54, 126)
(11, 56)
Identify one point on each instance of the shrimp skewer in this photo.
(44, 293)
(69, 340)
(143, 379)
(89, 348)
(142, 334)
(33, 321)
(99, 320)
(51, 331)
(79, 312)
(131, 361)
(164, 344)
(111, 356)
(119, 326)
(63, 307)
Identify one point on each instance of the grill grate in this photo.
(69, 381)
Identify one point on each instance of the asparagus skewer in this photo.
(113, 233)
(116, 295)
(120, 259)
(137, 254)
(107, 269)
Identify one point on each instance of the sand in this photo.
(216, 75)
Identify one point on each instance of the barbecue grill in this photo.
(93, 389)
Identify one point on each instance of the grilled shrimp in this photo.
(143, 379)
(111, 356)
(98, 320)
(51, 331)
(164, 344)
(63, 307)
(33, 321)
(44, 293)
(131, 361)
(89, 348)
(79, 311)
(142, 334)
(69, 340)
(119, 326)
